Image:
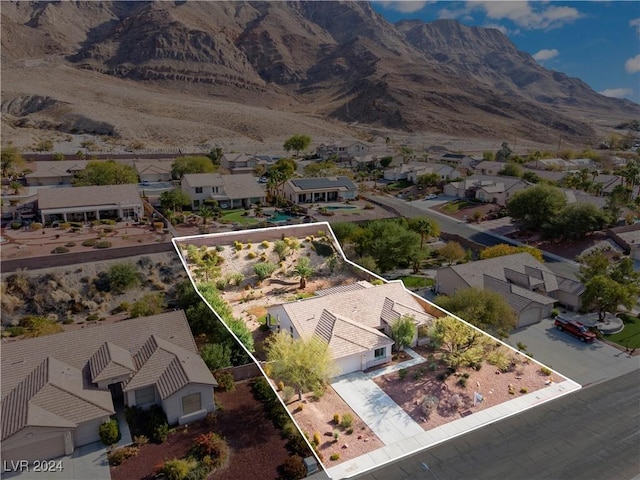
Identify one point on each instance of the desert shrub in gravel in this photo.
(109, 432)
(293, 468)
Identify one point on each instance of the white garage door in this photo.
(529, 316)
(42, 450)
(349, 364)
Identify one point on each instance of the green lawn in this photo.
(417, 282)
(455, 206)
(630, 336)
(236, 217)
(399, 185)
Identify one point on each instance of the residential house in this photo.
(411, 171)
(560, 164)
(628, 237)
(343, 149)
(153, 170)
(58, 389)
(550, 175)
(238, 163)
(578, 196)
(90, 203)
(54, 172)
(321, 189)
(489, 168)
(354, 320)
(230, 191)
(529, 287)
(485, 188)
(463, 163)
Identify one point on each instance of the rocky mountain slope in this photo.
(332, 60)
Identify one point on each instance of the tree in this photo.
(485, 309)
(461, 344)
(511, 169)
(488, 156)
(10, 160)
(425, 226)
(386, 161)
(593, 264)
(149, 304)
(548, 202)
(504, 153)
(215, 155)
(280, 172)
(428, 180)
(107, 172)
(403, 330)
(263, 270)
(297, 142)
(575, 221)
(452, 252)
(388, 242)
(604, 294)
(191, 164)
(504, 249)
(16, 187)
(281, 249)
(206, 213)
(303, 270)
(418, 256)
(216, 356)
(304, 364)
(174, 199)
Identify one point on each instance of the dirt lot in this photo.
(256, 445)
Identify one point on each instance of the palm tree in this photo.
(425, 227)
(206, 212)
(16, 187)
(303, 270)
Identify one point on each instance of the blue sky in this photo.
(596, 41)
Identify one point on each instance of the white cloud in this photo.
(545, 54)
(633, 64)
(528, 15)
(502, 28)
(617, 92)
(404, 6)
(636, 24)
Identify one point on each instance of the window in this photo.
(196, 203)
(198, 189)
(145, 396)
(379, 353)
(191, 403)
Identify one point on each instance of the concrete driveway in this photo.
(583, 363)
(86, 463)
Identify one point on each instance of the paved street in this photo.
(584, 363)
(591, 434)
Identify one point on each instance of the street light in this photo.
(426, 468)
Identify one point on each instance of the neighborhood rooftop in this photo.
(69, 197)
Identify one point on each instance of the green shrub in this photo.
(252, 255)
(264, 244)
(402, 373)
(107, 221)
(117, 457)
(264, 270)
(160, 433)
(16, 225)
(103, 244)
(293, 468)
(64, 225)
(323, 249)
(336, 418)
(225, 381)
(70, 244)
(92, 318)
(140, 440)
(524, 390)
(499, 359)
(90, 242)
(334, 456)
(109, 432)
(316, 439)
(346, 420)
(349, 431)
(67, 321)
(178, 468)
(462, 381)
(545, 371)
(60, 250)
(75, 224)
(36, 226)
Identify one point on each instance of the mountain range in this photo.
(336, 60)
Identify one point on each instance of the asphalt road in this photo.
(456, 227)
(36, 263)
(592, 434)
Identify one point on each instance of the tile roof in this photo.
(347, 337)
(242, 186)
(60, 168)
(42, 375)
(203, 180)
(152, 166)
(343, 288)
(96, 195)
(357, 310)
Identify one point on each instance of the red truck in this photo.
(574, 328)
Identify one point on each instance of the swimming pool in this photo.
(280, 217)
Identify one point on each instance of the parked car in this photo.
(431, 196)
(574, 328)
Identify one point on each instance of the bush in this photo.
(225, 381)
(109, 432)
(140, 440)
(213, 446)
(70, 244)
(336, 418)
(67, 321)
(117, 457)
(103, 244)
(16, 226)
(252, 255)
(545, 371)
(36, 226)
(334, 456)
(90, 242)
(499, 359)
(316, 439)
(524, 390)
(264, 270)
(60, 250)
(160, 433)
(323, 249)
(402, 373)
(346, 420)
(462, 381)
(178, 469)
(92, 318)
(293, 468)
(349, 431)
